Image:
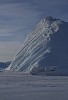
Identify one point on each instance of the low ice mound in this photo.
(44, 49)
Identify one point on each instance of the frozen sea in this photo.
(16, 86)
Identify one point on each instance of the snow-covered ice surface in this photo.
(15, 86)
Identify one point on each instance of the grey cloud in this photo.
(8, 50)
(14, 19)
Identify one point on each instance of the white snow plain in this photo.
(16, 86)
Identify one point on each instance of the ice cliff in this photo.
(45, 50)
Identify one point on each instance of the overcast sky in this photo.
(19, 17)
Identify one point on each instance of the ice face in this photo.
(40, 47)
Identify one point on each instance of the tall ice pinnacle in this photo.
(45, 48)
